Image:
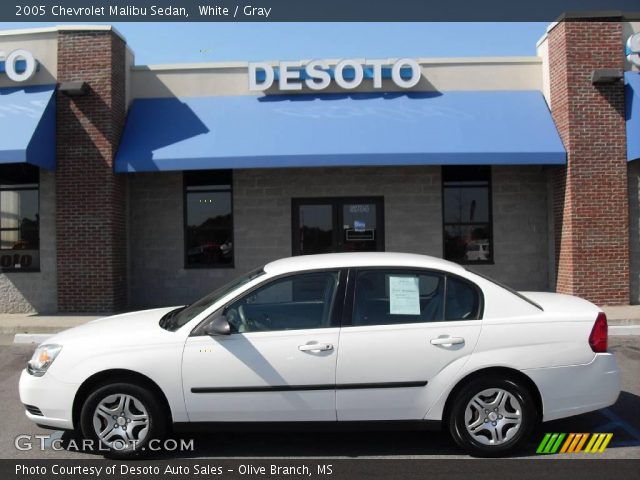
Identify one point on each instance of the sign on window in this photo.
(404, 295)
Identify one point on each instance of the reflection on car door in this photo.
(406, 326)
(279, 362)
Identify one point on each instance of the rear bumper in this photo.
(577, 389)
(52, 397)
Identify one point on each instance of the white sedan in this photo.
(331, 339)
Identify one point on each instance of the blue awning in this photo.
(632, 101)
(492, 127)
(28, 125)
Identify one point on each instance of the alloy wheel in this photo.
(121, 421)
(493, 416)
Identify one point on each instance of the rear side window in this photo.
(391, 297)
(462, 300)
(384, 297)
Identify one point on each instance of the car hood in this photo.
(127, 328)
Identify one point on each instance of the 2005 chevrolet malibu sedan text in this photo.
(337, 339)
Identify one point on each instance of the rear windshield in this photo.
(509, 289)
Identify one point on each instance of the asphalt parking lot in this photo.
(622, 419)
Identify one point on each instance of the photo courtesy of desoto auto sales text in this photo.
(320, 240)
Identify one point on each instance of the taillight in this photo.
(599, 334)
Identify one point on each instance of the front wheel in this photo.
(492, 416)
(121, 419)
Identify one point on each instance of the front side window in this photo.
(466, 198)
(19, 218)
(296, 302)
(391, 297)
(208, 219)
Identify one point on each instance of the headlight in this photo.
(42, 359)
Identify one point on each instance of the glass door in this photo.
(326, 225)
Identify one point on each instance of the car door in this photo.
(279, 361)
(405, 328)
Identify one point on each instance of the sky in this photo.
(155, 43)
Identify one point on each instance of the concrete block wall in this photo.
(31, 292)
(411, 204)
(520, 228)
(262, 223)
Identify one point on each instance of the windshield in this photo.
(180, 316)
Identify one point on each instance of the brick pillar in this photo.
(590, 193)
(90, 198)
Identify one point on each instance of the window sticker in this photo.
(404, 295)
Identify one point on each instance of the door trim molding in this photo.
(290, 388)
(306, 426)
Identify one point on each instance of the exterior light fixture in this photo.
(606, 75)
(76, 88)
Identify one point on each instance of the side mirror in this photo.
(218, 326)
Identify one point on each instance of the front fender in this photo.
(161, 363)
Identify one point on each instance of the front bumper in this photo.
(576, 389)
(53, 397)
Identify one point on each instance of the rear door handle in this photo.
(315, 347)
(447, 341)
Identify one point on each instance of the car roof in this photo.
(359, 259)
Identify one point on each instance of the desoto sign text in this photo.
(319, 74)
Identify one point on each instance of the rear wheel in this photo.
(122, 418)
(492, 416)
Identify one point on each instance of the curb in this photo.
(35, 338)
(41, 328)
(623, 322)
(624, 330)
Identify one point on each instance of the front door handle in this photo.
(315, 347)
(446, 341)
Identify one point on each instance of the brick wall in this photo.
(634, 230)
(590, 194)
(90, 198)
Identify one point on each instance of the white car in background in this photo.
(354, 337)
(477, 251)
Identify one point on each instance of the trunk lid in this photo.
(561, 304)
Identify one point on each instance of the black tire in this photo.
(157, 419)
(457, 427)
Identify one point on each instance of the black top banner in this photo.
(311, 10)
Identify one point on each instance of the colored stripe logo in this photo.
(574, 443)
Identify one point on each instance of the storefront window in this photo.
(326, 225)
(208, 219)
(466, 197)
(19, 218)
